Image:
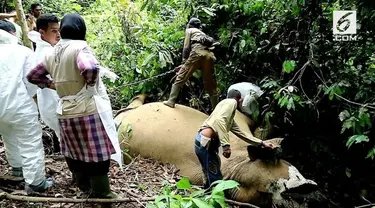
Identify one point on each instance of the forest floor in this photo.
(139, 179)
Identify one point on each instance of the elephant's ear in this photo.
(265, 154)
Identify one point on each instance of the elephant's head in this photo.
(267, 180)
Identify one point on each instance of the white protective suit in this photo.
(19, 125)
(47, 98)
(249, 94)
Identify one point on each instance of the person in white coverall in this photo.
(249, 93)
(48, 35)
(19, 126)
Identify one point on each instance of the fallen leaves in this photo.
(141, 178)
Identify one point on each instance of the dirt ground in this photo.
(141, 178)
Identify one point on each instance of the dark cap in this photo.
(195, 22)
(7, 26)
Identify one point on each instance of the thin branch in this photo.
(135, 195)
(240, 203)
(363, 206)
(302, 69)
(5, 195)
(366, 105)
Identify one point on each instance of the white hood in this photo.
(7, 38)
(34, 36)
(42, 47)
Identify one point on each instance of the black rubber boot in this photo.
(82, 181)
(100, 187)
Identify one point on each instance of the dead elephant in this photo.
(167, 135)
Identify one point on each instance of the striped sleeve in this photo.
(88, 65)
(38, 76)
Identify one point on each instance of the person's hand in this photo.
(267, 145)
(226, 151)
(216, 44)
(178, 68)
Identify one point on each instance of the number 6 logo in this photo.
(344, 22)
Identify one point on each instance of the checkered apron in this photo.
(85, 139)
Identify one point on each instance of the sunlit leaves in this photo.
(184, 195)
(356, 139)
(289, 66)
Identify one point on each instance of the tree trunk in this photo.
(23, 23)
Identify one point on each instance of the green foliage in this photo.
(132, 45)
(183, 194)
(288, 66)
(285, 47)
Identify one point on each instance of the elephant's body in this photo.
(167, 135)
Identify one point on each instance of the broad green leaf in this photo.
(162, 60)
(208, 11)
(246, 9)
(371, 153)
(224, 185)
(270, 84)
(296, 10)
(178, 197)
(183, 184)
(148, 59)
(255, 113)
(77, 7)
(288, 66)
(220, 199)
(348, 124)
(168, 57)
(188, 204)
(283, 101)
(197, 193)
(343, 115)
(290, 104)
(150, 205)
(348, 172)
(263, 30)
(356, 139)
(364, 117)
(201, 204)
(242, 44)
(159, 198)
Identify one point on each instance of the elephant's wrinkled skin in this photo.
(167, 135)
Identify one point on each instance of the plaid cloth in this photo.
(85, 139)
(86, 62)
(38, 76)
(82, 138)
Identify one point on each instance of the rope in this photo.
(147, 79)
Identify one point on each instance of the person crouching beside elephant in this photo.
(249, 94)
(196, 54)
(215, 133)
(87, 137)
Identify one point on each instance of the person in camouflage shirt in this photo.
(196, 54)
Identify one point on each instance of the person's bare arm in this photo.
(245, 136)
(6, 15)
